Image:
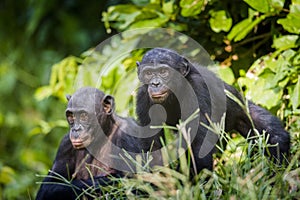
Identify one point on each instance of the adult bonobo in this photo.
(157, 72)
(96, 136)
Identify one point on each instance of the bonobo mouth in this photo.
(80, 143)
(159, 97)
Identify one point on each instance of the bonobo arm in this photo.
(64, 164)
(65, 160)
(58, 191)
(263, 120)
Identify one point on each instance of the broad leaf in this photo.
(157, 22)
(191, 7)
(291, 22)
(286, 42)
(219, 21)
(241, 30)
(259, 5)
(258, 93)
(238, 28)
(295, 95)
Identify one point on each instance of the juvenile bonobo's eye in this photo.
(84, 117)
(70, 117)
(147, 75)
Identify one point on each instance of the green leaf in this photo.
(157, 22)
(191, 8)
(295, 95)
(291, 22)
(277, 4)
(43, 93)
(123, 88)
(6, 174)
(238, 28)
(286, 42)
(226, 74)
(259, 5)
(168, 7)
(241, 30)
(120, 16)
(219, 21)
(140, 2)
(258, 93)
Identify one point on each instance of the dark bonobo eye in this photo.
(164, 72)
(70, 117)
(147, 75)
(84, 117)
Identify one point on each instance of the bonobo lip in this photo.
(158, 95)
(78, 143)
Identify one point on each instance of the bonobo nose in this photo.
(77, 127)
(75, 135)
(155, 83)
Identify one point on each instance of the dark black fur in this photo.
(236, 118)
(64, 164)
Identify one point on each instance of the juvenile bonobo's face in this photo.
(87, 107)
(83, 126)
(157, 69)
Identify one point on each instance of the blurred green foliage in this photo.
(35, 35)
(254, 42)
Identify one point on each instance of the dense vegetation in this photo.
(255, 43)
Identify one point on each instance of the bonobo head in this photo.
(89, 111)
(157, 71)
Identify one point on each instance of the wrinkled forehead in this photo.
(87, 100)
(154, 65)
(161, 56)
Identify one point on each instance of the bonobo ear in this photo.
(68, 97)
(138, 63)
(108, 103)
(185, 70)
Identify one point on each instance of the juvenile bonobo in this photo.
(157, 72)
(89, 113)
(96, 134)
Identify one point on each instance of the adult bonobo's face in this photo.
(87, 107)
(157, 70)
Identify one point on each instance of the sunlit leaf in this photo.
(43, 92)
(120, 16)
(286, 42)
(277, 4)
(241, 30)
(295, 95)
(291, 22)
(257, 92)
(157, 22)
(226, 74)
(238, 28)
(6, 175)
(124, 92)
(220, 21)
(191, 7)
(168, 7)
(141, 2)
(259, 5)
